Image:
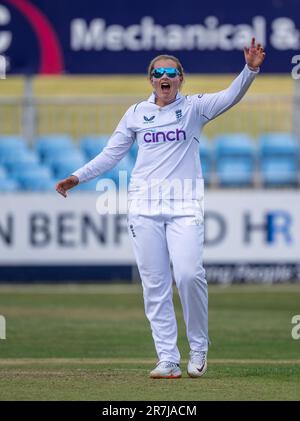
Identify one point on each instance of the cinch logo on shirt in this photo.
(164, 136)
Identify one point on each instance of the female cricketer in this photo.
(165, 208)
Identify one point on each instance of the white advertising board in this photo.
(240, 226)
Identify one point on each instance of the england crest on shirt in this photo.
(178, 114)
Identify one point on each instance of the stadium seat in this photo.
(10, 148)
(235, 156)
(235, 173)
(279, 144)
(66, 163)
(36, 179)
(65, 169)
(206, 159)
(3, 173)
(92, 145)
(21, 158)
(279, 172)
(40, 184)
(8, 185)
(21, 168)
(279, 157)
(50, 145)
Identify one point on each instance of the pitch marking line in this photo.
(102, 361)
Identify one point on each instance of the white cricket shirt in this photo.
(168, 160)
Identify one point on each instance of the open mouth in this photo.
(165, 87)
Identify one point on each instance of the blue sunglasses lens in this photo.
(169, 71)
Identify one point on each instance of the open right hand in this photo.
(64, 185)
(254, 55)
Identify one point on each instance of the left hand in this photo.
(254, 55)
(66, 184)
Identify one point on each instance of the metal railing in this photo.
(79, 116)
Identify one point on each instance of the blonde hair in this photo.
(165, 57)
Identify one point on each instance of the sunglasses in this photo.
(169, 71)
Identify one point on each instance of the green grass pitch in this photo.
(93, 342)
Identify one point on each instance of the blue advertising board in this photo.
(96, 37)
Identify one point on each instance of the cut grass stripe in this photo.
(134, 361)
(137, 289)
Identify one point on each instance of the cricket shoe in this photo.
(166, 370)
(197, 365)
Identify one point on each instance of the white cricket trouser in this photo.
(161, 237)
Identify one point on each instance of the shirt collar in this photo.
(153, 96)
